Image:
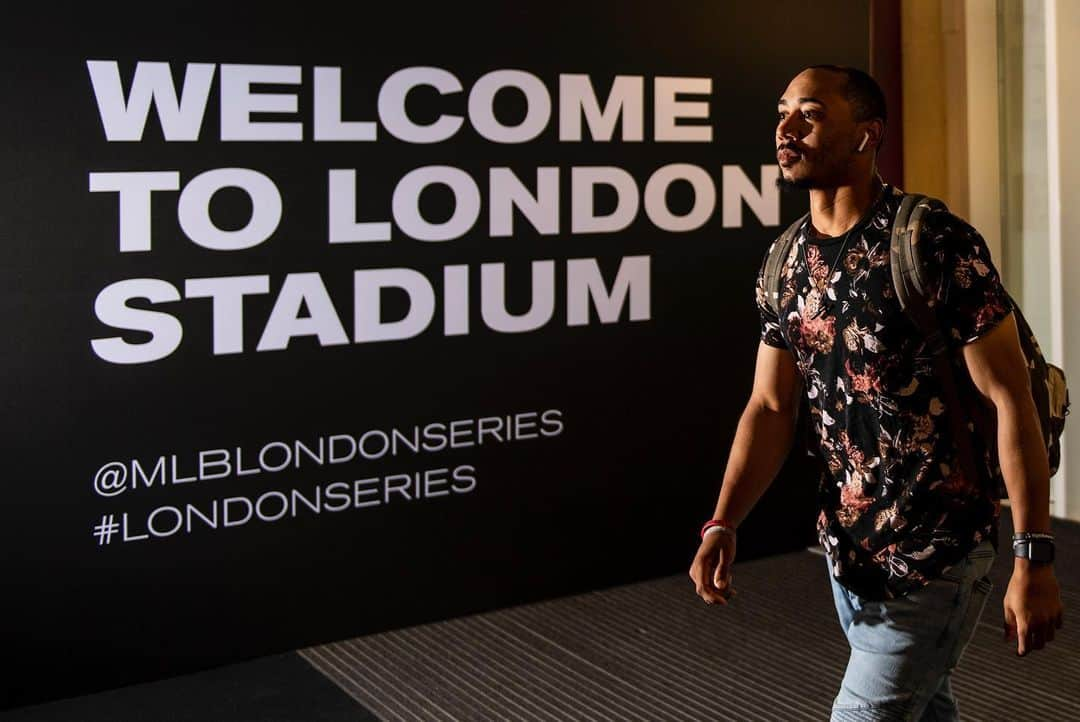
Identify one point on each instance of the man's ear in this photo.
(876, 129)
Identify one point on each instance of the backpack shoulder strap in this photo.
(909, 271)
(910, 281)
(778, 254)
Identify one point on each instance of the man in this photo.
(909, 537)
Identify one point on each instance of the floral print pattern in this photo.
(895, 508)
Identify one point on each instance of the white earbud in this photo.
(865, 138)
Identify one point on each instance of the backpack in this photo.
(909, 276)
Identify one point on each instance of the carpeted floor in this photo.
(654, 651)
(647, 651)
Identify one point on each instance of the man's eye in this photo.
(810, 114)
(781, 115)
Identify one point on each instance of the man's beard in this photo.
(790, 186)
(829, 176)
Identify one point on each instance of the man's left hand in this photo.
(1033, 608)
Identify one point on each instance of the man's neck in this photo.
(833, 211)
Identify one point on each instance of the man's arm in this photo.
(764, 435)
(999, 370)
(762, 441)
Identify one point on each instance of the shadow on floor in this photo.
(282, 688)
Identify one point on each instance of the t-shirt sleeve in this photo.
(969, 298)
(770, 323)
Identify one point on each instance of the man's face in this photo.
(815, 133)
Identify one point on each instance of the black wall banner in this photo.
(319, 325)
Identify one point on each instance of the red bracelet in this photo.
(716, 522)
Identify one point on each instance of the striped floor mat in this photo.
(654, 651)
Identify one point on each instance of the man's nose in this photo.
(787, 129)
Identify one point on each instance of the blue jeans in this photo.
(903, 650)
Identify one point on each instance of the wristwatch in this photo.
(1035, 546)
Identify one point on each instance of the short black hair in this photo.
(862, 92)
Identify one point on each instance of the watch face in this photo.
(1042, 553)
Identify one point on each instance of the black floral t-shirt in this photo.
(895, 508)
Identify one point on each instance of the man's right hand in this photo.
(711, 570)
